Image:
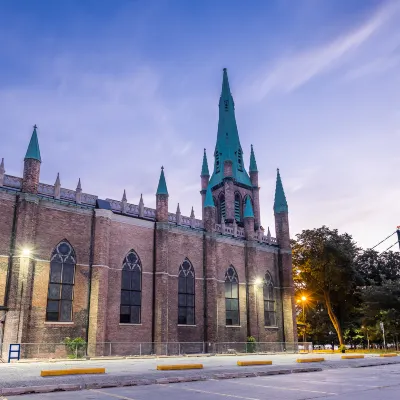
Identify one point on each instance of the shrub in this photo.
(75, 347)
(251, 344)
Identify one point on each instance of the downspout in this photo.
(205, 322)
(153, 323)
(12, 251)
(281, 292)
(91, 256)
(246, 260)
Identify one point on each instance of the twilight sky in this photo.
(120, 87)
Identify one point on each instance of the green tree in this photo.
(324, 267)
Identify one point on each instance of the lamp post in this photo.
(303, 300)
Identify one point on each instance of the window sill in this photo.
(130, 324)
(271, 327)
(58, 323)
(186, 325)
(233, 326)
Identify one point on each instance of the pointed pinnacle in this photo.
(2, 170)
(33, 150)
(162, 184)
(192, 213)
(141, 199)
(79, 187)
(57, 183)
(204, 167)
(178, 210)
(124, 196)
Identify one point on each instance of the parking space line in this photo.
(283, 388)
(112, 395)
(338, 383)
(219, 394)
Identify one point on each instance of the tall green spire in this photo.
(204, 167)
(209, 202)
(248, 209)
(162, 185)
(33, 148)
(253, 164)
(228, 145)
(280, 203)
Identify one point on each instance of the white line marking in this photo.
(219, 394)
(338, 383)
(282, 388)
(112, 395)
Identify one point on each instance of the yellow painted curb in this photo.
(248, 363)
(179, 366)
(389, 355)
(310, 360)
(80, 371)
(351, 357)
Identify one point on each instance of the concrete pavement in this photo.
(143, 371)
(374, 383)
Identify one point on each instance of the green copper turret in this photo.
(228, 145)
(280, 203)
(33, 151)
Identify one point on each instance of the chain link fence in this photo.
(133, 349)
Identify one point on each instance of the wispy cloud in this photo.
(292, 72)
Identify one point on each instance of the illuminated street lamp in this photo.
(26, 252)
(303, 301)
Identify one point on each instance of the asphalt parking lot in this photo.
(372, 383)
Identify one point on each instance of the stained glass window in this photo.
(269, 301)
(232, 296)
(186, 294)
(131, 290)
(61, 283)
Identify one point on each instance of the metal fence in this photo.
(133, 349)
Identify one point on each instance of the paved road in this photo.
(12, 374)
(373, 383)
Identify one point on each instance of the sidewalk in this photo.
(17, 378)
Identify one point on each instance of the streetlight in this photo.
(258, 281)
(303, 300)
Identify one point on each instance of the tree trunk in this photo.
(333, 318)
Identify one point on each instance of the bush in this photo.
(342, 348)
(251, 345)
(75, 347)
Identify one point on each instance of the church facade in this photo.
(73, 265)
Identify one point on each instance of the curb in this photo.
(142, 382)
(172, 367)
(73, 371)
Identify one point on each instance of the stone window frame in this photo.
(61, 284)
(232, 304)
(131, 289)
(186, 293)
(269, 301)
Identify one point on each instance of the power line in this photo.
(389, 247)
(383, 241)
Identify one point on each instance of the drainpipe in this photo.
(153, 322)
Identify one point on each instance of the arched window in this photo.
(232, 296)
(61, 283)
(131, 290)
(186, 294)
(244, 203)
(238, 213)
(222, 209)
(269, 301)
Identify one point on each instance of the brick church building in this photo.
(73, 265)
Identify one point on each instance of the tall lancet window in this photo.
(269, 301)
(186, 289)
(131, 290)
(217, 162)
(222, 209)
(61, 283)
(240, 160)
(232, 297)
(238, 207)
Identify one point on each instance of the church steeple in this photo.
(204, 167)
(33, 151)
(253, 164)
(228, 147)
(280, 203)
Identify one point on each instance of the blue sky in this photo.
(119, 88)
